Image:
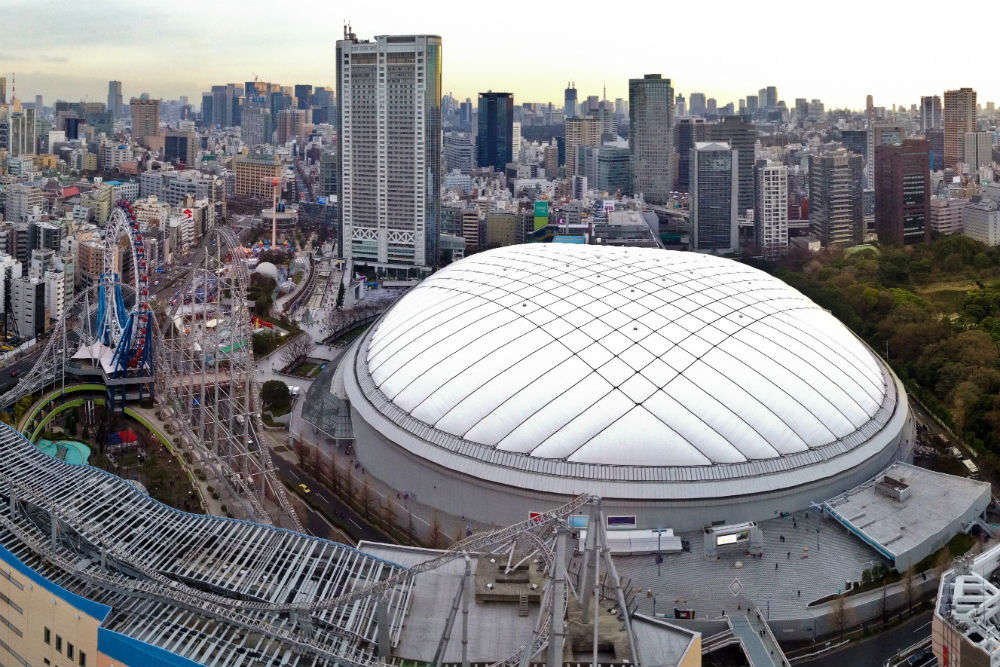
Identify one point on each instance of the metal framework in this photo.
(207, 378)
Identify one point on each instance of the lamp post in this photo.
(659, 550)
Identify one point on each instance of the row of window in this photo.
(71, 651)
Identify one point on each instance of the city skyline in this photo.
(530, 50)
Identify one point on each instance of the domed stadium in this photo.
(683, 389)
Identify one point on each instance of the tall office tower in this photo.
(493, 141)
(801, 108)
(712, 106)
(771, 211)
(219, 105)
(835, 205)
(753, 104)
(614, 170)
(621, 109)
(977, 151)
(22, 137)
(459, 152)
(291, 125)
(880, 134)
(206, 110)
(741, 135)
(255, 126)
(688, 132)
(651, 136)
(180, 147)
(714, 195)
(698, 106)
(39, 104)
(680, 106)
(903, 192)
(935, 137)
(771, 92)
(303, 95)
(959, 118)
(3, 90)
(515, 142)
(569, 100)
(580, 131)
(145, 119)
(930, 112)
(115, 99)
(390, 151)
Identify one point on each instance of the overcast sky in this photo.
(838, 52)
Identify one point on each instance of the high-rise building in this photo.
(493, 141)
(930, 112)
(714, 197)
(688, 132)
(741, 135)
(389, 143)
(697, 104)
(753, 104)
(903, 192)
(515, 141)
(959, 118)
(303, 95)
(880, 134)
(981, 221)
(180, 147)
(977, 151)
(328, 174)
(20, 129)
(3, 90)
(255, 125)
(680, 106)
(771, 212)
(458, 152)
(614, 170)
(770, 97)
(219, 106)
(145, 119)
(580, 131)
(651, 136)
(115, 99)
(569, 100)
(835, 203)
(206, 109)
(291, 125)
(935, 137)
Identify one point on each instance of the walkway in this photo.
(759, 645)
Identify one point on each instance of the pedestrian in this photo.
(775, 566)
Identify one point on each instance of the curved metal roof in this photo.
(624, 356)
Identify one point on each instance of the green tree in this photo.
(275, 396)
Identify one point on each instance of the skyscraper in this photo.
(255, 125)
(569, 100)
(389, 124)
(303, 95)
(580, 131)
(145, 119)
(493, 140)
(771, 93)
(697, 105)
(835, 206)
(688, 132)
(219, 106)
(3, 90)
(741, 136)
(959, 118)
(930, 112)
(977, 151)
(714, 195)
(771, 212)
(115, 99)
(903, 192)
(651, 136)
(680, 106)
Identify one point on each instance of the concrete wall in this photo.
(462, 496)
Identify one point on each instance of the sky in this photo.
(836, 52)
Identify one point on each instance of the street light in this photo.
(659, 550)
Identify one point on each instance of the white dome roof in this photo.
(268, 269)
(626, 356)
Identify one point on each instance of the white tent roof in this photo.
(631, 356)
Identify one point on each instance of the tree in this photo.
(839, 615)
(296, 349)
(910, 588)
(275, 396)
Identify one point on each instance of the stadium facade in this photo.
(683, 389)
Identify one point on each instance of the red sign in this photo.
(188, 213)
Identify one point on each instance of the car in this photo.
(15, 373)
(305, 489)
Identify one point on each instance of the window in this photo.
(69, 650)
(83, 659)
(48, 636)
(58, 643)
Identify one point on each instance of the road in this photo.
(874, 652)
(331, 505)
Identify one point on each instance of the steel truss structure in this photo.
(208, 381)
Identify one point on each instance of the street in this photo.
(874, 651)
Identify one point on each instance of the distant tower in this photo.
(115, 99)
(569, 107)
(959, 118)
(651, 136)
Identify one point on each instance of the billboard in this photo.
(732, 538)
(541, 214)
